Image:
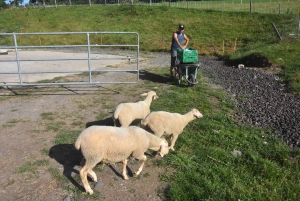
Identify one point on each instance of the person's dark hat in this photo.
(181, 27)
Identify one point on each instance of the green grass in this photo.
(204, 165)
(66, 136)
(231, 35)
(12, 123)
(31, 166)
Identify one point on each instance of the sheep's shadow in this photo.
(104, 122)
(109, 122)
(129, 172)
(146, 75)
(68, 156)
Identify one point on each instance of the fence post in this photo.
(276, 31)
(250, 6)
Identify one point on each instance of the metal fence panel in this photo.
(48, 61)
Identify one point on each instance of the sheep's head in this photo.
(154, 96)
(151, 94)
(164, 148)
(197, 114)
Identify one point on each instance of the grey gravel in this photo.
(260, 98)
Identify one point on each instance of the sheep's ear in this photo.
(144, 94)
(155, 97)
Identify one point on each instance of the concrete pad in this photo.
(103, 62)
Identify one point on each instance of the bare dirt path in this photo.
(34, 167)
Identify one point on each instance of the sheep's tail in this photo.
(77, 144)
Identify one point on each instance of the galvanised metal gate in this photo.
(47, 60)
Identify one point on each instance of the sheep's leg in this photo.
(124, 173)
(141, 167)
(83, 174)
(173, 140)
(93, 175)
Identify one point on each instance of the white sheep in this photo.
(113, 144)
(168, 124)
(127, 113)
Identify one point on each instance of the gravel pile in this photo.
(261, 99)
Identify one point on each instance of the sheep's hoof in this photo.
(135, 175)
(172, 148)
(90, 191)
(126, 178)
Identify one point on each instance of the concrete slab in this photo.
(104, 61)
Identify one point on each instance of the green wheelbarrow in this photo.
(187, 71)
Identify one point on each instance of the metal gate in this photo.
(69, 58)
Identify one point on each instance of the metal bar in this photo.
(89, 56)
(17, 58)
(138, 56)
(19, 71)
(64, 83)
(76, 71)
(65, 59)
(61, 46)
(65, 33)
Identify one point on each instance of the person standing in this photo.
(177, 42)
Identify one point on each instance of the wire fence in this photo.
(261, 6)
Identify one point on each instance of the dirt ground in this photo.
(34, 167)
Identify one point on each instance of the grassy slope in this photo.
(208, 30)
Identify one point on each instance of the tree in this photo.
(3, 4)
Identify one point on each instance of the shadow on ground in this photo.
(104, 122)
(146, 75)
(68, 156)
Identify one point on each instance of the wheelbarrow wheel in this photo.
(191, 79)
